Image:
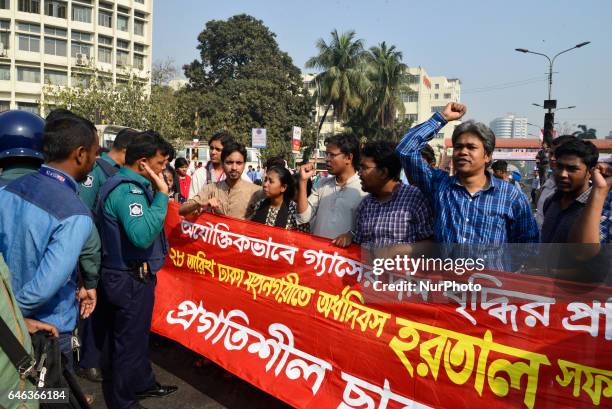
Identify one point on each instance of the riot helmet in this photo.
(21, 135)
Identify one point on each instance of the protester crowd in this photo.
(74, 223)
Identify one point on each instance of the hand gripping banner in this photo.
(305, 321)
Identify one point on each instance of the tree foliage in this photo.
(364, 87)
(389, 80)
(128, 103)
(342, 81)
(244, 81)
(585, 132)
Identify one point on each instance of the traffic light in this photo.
(549, 125)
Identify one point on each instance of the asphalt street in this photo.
(199, 388)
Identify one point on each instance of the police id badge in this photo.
(135, 210)
(88, 182)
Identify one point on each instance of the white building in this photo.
(58, 41)
(178, 83)
(429, 95)
(509, 126)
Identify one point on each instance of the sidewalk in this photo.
(202, 388)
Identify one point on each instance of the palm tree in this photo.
(585, 132)
(388, 79)
(342, 81)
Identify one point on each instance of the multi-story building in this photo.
(58, 42)
(509, 126)
(429, 95)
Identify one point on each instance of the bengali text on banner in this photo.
(300, 319)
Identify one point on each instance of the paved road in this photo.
(199, 388)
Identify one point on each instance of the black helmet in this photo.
(21, 135)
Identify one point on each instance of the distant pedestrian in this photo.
(184, 180)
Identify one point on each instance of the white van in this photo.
(107, 134)
(201, 153)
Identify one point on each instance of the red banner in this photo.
(303, 320)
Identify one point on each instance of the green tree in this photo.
(244, 81)
(389, 80)
(368, 129)
(342, 81)
(585, 132)
(129, 103)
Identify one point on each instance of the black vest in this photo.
(118, 252)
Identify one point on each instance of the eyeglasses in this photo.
(332, 155)
(364, 168)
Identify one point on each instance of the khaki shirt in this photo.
(236, 202)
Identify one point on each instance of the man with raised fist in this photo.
(470, 207)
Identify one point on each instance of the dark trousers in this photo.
(91, 332)
(127, 307)
(65, 346)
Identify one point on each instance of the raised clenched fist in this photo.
(454, 111)
(307, 171)
(602, 177)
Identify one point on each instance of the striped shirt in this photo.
(495, 215)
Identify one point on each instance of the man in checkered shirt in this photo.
(393, 213)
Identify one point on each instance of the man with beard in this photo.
(44, 225)
(470, 207)
(233, 196)
(213, 171)
(330, 208)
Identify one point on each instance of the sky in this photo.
(470, 40)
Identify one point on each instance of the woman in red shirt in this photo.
(181, 165)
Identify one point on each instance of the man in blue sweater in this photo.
(44, 224)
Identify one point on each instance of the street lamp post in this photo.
(555, 109)
(550, 105)
(318, 127)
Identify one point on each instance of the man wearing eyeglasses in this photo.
(330, 208)
(393, 213)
